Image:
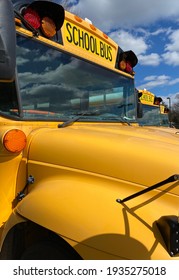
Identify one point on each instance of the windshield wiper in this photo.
(92, 113)
(172, 178)
(118, 118)
(125, 120)
(79, 115)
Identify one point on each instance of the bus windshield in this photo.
(53, 85)
(151, 116)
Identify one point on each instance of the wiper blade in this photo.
(79, 115)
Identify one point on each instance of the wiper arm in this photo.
(71, 121)
(125, 120)
(119, 118)
(172, 178)
(34, 31)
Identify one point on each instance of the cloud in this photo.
(171, 56)
(139, 44)
(161, 31)
(158, 81)
(174, 81)
(174, 97)
(152, 59)
(128, 41)
(154, 81)
(174, 42)
(21, 61)
(107, 14)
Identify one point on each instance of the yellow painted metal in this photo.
(91, 216)
(167, 130)
(13, 171)
(147, 97)
(87, 167)
(84, 176)
(8, 174)
(82, 169)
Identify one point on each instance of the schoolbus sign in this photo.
(147, 98)
(88, 42)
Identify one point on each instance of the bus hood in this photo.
(139, 155)
(171, 130)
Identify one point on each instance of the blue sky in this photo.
(148, 27)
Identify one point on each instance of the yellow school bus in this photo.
(155, 113)
(164, 115)
(79, 178)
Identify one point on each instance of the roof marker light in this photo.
(105, 36)
(122, 65)
(127, 60)
(32, 17)
(48, 27)
(44, 15)
(78, 18)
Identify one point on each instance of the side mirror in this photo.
(139, 110)
(139, 104)
(7, 41)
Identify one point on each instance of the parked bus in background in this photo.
(80, 179)
(155, 113)
(164, 115)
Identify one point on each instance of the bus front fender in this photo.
(74, 209)
(86, 212)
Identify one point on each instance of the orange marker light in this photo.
(48, 27)
(14, 140)
(78, 18)
(122, 65)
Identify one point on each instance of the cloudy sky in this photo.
(148, 27)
